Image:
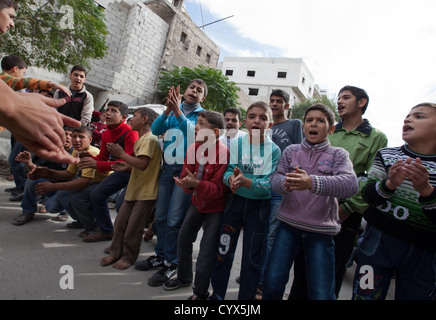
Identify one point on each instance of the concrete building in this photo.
(257, 77)
(144, 38)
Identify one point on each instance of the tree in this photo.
(57, 34)
(222, 93)
(298, 109)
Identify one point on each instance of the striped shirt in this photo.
(403, 212)
(24, 83)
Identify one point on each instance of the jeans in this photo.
(252, 215)
(99, 195)
(273, 225)
(319, 250)
(29, 204)
(18, 169)
(172, 204)
(344, 245)
(211, 223)
(78, 205)
(414, 267)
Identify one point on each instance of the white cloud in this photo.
(386, 47)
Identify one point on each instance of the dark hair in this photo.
(324, 109)
(426, 104)
(124, 109)
(8, 62)
(359, 94)
(280, 93)
(79, 68)
(4, 4)
(200, 81)
(147, 112)
(83, 129)
(262, 105)
(234, 111)
(216, 119)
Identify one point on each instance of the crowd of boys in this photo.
(298, 189)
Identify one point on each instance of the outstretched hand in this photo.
(121, 166)
(38, 126)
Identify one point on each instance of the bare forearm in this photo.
(140, 163)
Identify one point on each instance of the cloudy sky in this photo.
(387, 47)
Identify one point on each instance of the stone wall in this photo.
(136, 41)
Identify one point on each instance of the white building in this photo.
(257, 77)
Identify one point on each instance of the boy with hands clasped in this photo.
(310, 176)
(400, 235)
(253, 158)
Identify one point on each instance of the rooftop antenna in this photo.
(202, 20)
(216, 21)
(201, 13)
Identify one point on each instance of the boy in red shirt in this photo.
(118, 133)
(202, 176)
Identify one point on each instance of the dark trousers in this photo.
(99, 195)
(192, 223)
(129, 228)
(252, 215)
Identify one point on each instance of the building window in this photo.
(183, 37)
(303, 80)
(199, 51)
(253, 92)
(251, 73)
(229, 72)
(282, 74)
(208, 58)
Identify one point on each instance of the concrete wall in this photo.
(136, 42)
(193, 50)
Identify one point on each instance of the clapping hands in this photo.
(188, 181)
(297, 180)
(413, 170)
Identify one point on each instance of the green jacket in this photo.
(362, 144)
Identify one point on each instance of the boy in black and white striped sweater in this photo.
(401, 233)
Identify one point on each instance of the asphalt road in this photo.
(43, 260)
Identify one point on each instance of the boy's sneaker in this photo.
(175, 283)
(164, 274)
(150, 263)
